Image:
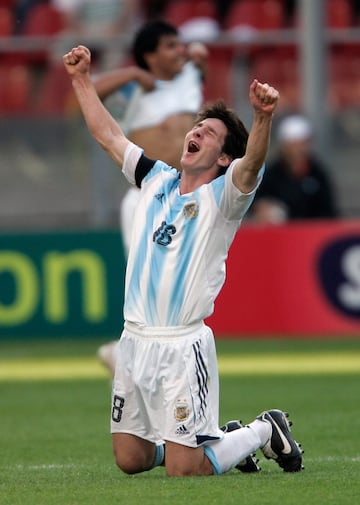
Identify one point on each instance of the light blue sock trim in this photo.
(159, 455)
(209, 453)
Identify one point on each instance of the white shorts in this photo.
(166, 385)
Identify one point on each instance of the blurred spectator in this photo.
(296, 184)
(97, 18)
(7, 21)
(224, 7)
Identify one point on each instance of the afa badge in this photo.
(181, 411)
(191, 210)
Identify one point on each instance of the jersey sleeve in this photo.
(234, 203)
(131, 158)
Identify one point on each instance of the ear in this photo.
(224, 160)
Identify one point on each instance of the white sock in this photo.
(237, 445)
(159, 455)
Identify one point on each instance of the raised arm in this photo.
(107, 82)
(101, 124)
(263, 99)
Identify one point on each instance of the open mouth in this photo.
(193, 147)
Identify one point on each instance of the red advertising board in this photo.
(300, 279)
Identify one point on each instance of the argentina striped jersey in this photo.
(179, 245)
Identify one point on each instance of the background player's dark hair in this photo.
(237, 135)
(147, 40)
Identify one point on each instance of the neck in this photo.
(190, 182)
(161, 75)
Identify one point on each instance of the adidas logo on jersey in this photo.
(182, 430)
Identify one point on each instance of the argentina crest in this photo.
(191, 209)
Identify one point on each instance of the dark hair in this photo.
(237, 134)
(147, 40)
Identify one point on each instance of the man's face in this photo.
(169, 58)
(296, 151)
(203, 145)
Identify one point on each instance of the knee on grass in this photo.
(132, 463)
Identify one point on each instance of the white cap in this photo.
(294, 128)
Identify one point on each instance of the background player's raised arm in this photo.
(108, 82)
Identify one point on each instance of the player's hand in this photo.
(263, 97)
(145, 79)
(197, 52)
(77, 60)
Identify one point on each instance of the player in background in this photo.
(166, 384)
(159, 98)
(162, 92)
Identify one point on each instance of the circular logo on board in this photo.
(339, 272)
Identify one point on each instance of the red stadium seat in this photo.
(273, 15)
(344, 78)
(242, 13)
(44, 19)
(9, 4)
(55, 96)
(256, 14)
(15, 90)
(279, 68)
(178, 12)
(7, 22)
(219, 73)
(204, 9)
(339, 13)
(246, 18)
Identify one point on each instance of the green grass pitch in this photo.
(54, 426)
